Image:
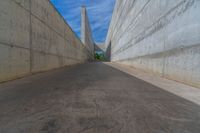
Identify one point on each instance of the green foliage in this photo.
(99, 57)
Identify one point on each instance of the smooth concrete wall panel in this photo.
(14, 24)
(159, 36)
(34, 38)
(43, 62)
(68, 35)
(44, 11)
(184, 64)
(14, 39)
(50, 41)
(56, 39)
(14, 62)
(23, 3)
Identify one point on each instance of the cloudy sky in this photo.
(99, 12)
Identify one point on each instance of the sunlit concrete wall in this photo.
(159, 36)
(34, 38)
(86, 33)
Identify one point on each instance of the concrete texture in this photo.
(93, 98)
(182, 90)
(34, 37)
(158, 36)
(86, 32)
(100, 47)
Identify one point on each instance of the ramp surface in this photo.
(92, 98)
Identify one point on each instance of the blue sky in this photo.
(99, 13)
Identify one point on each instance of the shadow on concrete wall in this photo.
(108, 52)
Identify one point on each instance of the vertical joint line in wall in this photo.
(30, 37)
(164, 57)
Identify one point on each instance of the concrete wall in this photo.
(34, 37)
(86, 33)
(100, 47)
(159, 36)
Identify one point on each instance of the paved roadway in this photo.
(92, 98)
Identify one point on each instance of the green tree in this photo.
(99, 56)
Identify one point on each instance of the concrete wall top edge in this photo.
(65, 22)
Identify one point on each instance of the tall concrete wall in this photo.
(86, 33)
(159, 36)
(34, 37)
(100, 47)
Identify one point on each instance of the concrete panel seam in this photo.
(62, 36)
(20, 5)
(163, 53)
(65, 22)
(36, 17)
(118, 17)
(46, 53)
(159, 24)
(128, 27)
(11, 45)
(31, 47)
(123, 18)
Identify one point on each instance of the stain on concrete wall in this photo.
(34, 37)
(159, 36)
